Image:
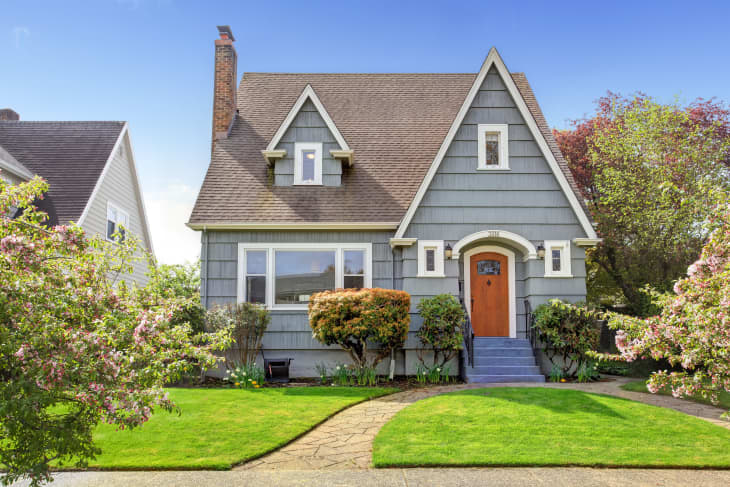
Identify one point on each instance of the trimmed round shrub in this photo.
(352, 318)
(441, 329)
(567, 332)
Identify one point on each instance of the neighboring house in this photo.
(429, 183)
(90, 170)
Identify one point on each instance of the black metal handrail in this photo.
(468, 333)
(530, 330)
(466, 330)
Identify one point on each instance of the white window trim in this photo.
(438, 258)
(564, 246)
(502, 130)
(317, 148)
(110, 205)
(271, 249)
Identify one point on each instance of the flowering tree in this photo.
(649, 172)
(76, 347)
(693, 329)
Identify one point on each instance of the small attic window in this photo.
(493, 150)
(308, 163)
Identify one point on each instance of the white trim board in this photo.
(308, 93)
(511, 285)
(494, 59)
(529, 251)
(10, 164)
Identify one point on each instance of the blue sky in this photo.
(150, 62)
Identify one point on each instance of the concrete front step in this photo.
(492, 360)
(503, 352)
(501, 342)
(505, 378)
(503, 370)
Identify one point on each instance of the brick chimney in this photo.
(224, 96)
(8, 114)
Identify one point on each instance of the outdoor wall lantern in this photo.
(448, 251)
(541, 251)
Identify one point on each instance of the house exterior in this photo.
(428, 183)
(91, 173)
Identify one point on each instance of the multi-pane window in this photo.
(492, 150)
(308, 163)
(557, 258)
(354, 269)
(286, 275)
(117, 222)
(256, 276)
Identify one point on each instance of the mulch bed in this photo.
(400, 382)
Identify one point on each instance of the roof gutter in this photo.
(295, 226)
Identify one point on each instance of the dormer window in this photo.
(308, 163)
(493, 151)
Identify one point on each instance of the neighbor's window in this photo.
(117, 221)
(557, 258)
(308, 163)
(256, 276)
(493, 146)
(354, 269)
(431, 258)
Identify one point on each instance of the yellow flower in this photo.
(563, 380)
(238, 384)
(253, 382)
(257, 386)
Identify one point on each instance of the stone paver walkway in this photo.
(345, 441)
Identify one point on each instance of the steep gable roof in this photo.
(540, 131)
(69, 155)
(396, 125)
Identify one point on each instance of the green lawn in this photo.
(539, 426)
(640, 386)
(221, 427)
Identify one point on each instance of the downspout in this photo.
(392, 286)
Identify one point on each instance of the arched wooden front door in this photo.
(489, 287)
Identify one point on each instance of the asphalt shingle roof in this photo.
(70, 156)
(395, 123)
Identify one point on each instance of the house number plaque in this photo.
(488, 267)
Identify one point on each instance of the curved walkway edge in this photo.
(345, 441)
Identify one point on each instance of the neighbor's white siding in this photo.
(118, 186)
